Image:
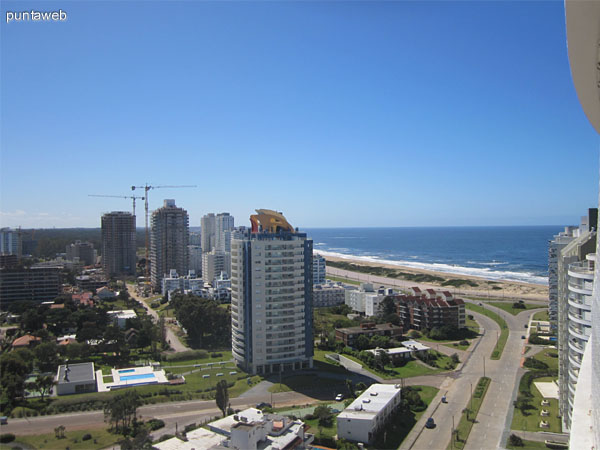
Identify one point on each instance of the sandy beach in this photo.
(481, 287)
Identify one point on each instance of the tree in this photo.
(46, 355)
(59, 432)
(387, 307)
(455, 359)
(205, 322)
(324, 414)
(515, 441)
(43, 384)
(14, 368)
(222, 396)
(362, 343)
(350, 387)
(121, 410)
(360, 386)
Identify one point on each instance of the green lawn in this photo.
(503, 337)
(508, 307)
(343, 280)
(546, 356)
(541, 315)
(466, 422)
(529, 445)
(299, 382)
(531, 421)
(225, 356)
(100, 439)
(412, 368)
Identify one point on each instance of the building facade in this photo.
(424, 310)
(215, 262)
(83, 251)
(329, 294)
(10, 242)
(369, 413)
(175, 282)
(169, 240)
(575, 281)
(319, 269)
(38, 284)
(350, 335)
(271, 296)
(118, 244)
(195, 254)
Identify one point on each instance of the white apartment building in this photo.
(215, 262)
(554, 247)
(175, 282)
(271, 296)
(328, 294)
(207, 237)
(319, 269)
(224, 224)
(364, 300)
(369, 413)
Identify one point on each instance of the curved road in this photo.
(172, 338)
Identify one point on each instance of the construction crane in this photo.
(146, 188)
(133, 197)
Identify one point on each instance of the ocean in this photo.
(518, 253)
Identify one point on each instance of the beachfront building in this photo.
(583, 30)
(424, 310)
(369, 413)
(574, 292)
(558, 242)
(319, 269)
(350, 335)
(329, 294)
(364, 300)
(271, 296)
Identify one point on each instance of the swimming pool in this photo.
(126, 370)
(140, 376)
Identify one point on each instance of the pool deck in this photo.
(121, 378)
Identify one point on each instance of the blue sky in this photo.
(336, 113)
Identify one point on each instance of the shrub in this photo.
(164, 300)
(154, 305)
(532, 363)
(86, 437)
(515, 440)
(5, 438)
(216, 355)
(464, 342)
(519, 305)
(155, 424)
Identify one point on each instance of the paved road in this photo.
(393, 282)
(172, 338)
(542, 436)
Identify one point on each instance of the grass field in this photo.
(343, 280)
(300, 382)
(541, 315)
(466, 419)
(546, 356)
(529, 445)
(508, 307)
(503, 337)
(100, 439)
(412, 368)
(531, 421)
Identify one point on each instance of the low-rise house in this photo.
(120, 316)
(349, 335)
(76, 378)
(83, 298)
(369, 413)
(105, 293)
(408, 350)
(328, 294)
(26, 341)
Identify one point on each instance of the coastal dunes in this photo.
(405, 277)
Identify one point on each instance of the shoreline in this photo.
(473, 285)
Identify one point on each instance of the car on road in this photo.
(444, 399)
(339, 397)
(525, 326)
(430, 423)
(523, 337)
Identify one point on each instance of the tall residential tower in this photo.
(169, 239)
(118, 243)
(271, 296)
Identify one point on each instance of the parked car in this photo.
(525, 326)
(523, 337)
(339, 397)
(444, 400)
(430, 423)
